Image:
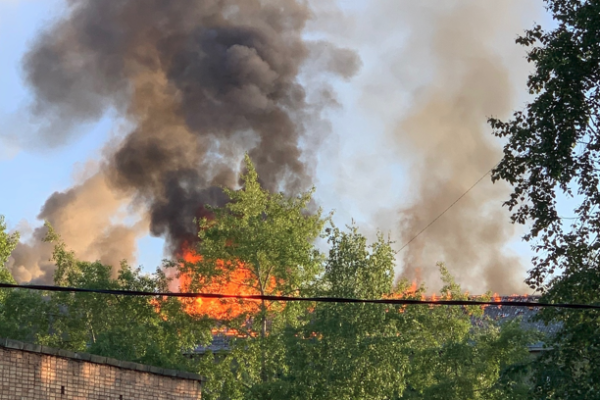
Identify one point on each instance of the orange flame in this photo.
(412, 289)
(230, 332)
(157, 308)
(433, 298)
(237, 281)
(497, 298)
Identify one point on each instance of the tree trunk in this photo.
(263, 328)
(263, 345)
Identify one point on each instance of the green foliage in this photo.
(8, 242)
(554, 148)
(370, 351)
(323, 351)
(154, 331)
(24, 315)
(571, 369)
(272, 236)
(355, 269)
(450, 359)
(125, 328)
(347, 351)
(554, 144)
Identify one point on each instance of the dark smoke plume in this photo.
(202, 81)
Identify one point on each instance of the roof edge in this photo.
(10, 344)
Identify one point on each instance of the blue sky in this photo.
(28, 176)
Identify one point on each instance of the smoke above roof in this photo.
(201, 82)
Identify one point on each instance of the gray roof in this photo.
(219, 343)
(527, 314)
(499, 314)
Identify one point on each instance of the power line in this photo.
(305, 299)
(449, 207)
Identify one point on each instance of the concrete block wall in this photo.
(33, 372)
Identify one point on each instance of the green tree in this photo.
(24, 315)
(8, 242)
(154, 331)
(457, 353)
(22, 312)
(370, 351)
(570, 368)
(347, 351)
(554, 146)
(271, 236)
(553, 149)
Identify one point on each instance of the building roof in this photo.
(222, 342)
(92, 358)
(527, 314)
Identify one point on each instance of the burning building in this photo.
(195, 85)
(222, 338)
(198, 83)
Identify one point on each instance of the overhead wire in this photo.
(403, 301)
(448, 208)
(454, 203)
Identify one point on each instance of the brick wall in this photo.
(32, 372)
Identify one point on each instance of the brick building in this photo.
(33, 372)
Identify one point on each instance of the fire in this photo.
(236, 281)
(230, 333)
(496, 298)
(156, 305)
(412, 289)
(433, 298)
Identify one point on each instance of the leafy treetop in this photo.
(8, 242)
(554, 144)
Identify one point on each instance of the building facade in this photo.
(33, 372)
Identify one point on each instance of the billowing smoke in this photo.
(84, 217)
(201, 81)
(433, 73)
(456, 67)
(446, 127)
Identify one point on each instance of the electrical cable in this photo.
(449, 207)
(305, 299)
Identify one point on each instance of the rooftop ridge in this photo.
(11, 344)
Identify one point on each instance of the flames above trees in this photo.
(264, 243)
(228, 279)
(258, 243)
